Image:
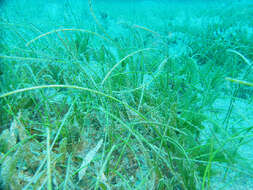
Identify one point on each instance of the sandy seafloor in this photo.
(52, 14)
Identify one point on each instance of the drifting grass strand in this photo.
(30, 59)
(49, 173)
(239, 81)
(146, 29)
(65, 29)
(61, 126)
(208, 167)
(65, 186)
(73, 87)
(240, 55)
(117, 64)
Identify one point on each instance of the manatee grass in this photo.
(103, 98)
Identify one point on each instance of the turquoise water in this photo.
(148, 94)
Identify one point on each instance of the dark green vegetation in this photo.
(129, 96)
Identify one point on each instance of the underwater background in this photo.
(130, 94)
